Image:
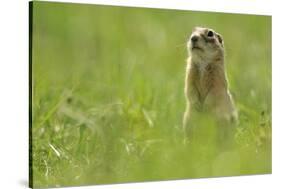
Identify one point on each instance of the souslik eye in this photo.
(210, 33)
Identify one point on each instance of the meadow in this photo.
(107, 95)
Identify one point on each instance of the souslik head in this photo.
(205, 44)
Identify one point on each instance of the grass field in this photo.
(107, 95)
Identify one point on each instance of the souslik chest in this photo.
(204, 78)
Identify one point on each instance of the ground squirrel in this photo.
(206, 86)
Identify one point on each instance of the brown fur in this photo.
(206, 86)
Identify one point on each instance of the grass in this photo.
(107, 95)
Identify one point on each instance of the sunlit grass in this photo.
(108, 95)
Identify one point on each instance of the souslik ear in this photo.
(220, 38)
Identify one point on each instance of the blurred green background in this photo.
(108, 100)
